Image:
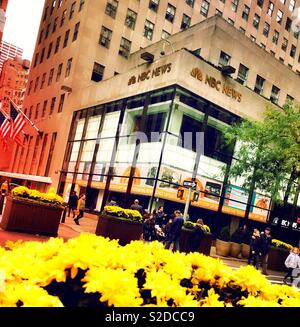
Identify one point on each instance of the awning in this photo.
(33, 178)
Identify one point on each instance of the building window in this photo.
(61, 102)
(69, 66)
(44, 108)
(289, 98)
(204, 8)
(299, 59)
(293, 51)
(282, 1)
(224, 59)
(253, 38)
(270, 8)
(54, 24)
(153, 5)
(170, 13)
(260, 3)
(130, 19)
(52, 105)
(245, 14)
(30, 112)
(57, 44)
(45, 14)
(284, 44)
(36, 59)
(49, 50)
(72, 9)
(262, 45)
(66, 38)
(165, 35)
(197, 52)
(59, 72)
(52, 7)
(266, 29)
(259, 84)
(274, 94)
(30, 87)
(43, 80)
(186, 22)
(81, 4)
(288, 24)
(105, 37)
(125, 46)
(148, 30)
(111, 8)
(230, 21)
(42, 55)
(50, 155)
(218, 13)
(242, 74)
(63, 17)
(76, 30)
(256, 21)
(242, 30)
(47, 31)
(37, 109)
(234, 5)
(36, 83)
(98, 72)
(190, 3)
(41, 36)
(279, 16)
(50, 76)
(275, 37)
(59, 3)
(272, 53)
(281, 59)
(297, 32)
(292, 5)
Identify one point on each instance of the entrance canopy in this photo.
(33, 178)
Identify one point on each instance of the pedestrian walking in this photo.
(292, 262)
(80, 208)
(72, 204)
(175, 231)
(4, 188)
(266, 241)
(255, 249)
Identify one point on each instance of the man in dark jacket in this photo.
(255, 249)
(175, 231)
(72, 203)
(160, 217)
(136, 206)
(196, 236)
(266, 241)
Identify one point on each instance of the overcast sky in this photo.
(22, 24)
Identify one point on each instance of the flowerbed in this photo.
(123, 213)
(94, 271)
(281, 245)
(191, 225)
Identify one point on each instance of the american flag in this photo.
(5, 126)
(18, 121)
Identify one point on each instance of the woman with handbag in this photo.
(80, 208)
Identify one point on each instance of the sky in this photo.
(22, 24)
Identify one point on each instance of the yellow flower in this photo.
(212, 300)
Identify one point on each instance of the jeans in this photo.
(264, 262)
(170, 241)
(80, 215)
(73, 211)
(289, 274)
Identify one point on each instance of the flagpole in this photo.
(30, 122)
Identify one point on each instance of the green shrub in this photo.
(224, 234)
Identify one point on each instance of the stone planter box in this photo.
(204, 244)
(29, 217)
(222, 248)
(235, 249)
(115, 228)
(245, 250)
(277, 258)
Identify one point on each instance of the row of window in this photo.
(41, 111)
(39, 57)
(242, 77)
(41, 85)
(57, 4)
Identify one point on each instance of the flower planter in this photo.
(29, 217)
(245, 250)
(115, 228)
(222, 248)
(204, 244)
(235, 249)
(277, 258)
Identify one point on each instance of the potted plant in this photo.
(32, 212)
(246, 245)
(222, 242)
(278, 252)
(236, 243)
(119, 223)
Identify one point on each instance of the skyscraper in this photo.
(3, 6)
(9, 51)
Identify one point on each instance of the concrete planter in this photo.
(30, 217)
(222, 248)
(245, 250)
(204, 244)
(115, 228)
(235, 249)
(277, 258)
